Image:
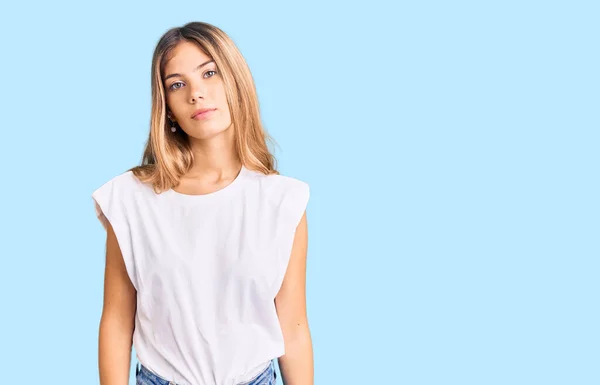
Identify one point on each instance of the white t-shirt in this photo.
(206, 269)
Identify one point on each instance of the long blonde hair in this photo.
(168, 156)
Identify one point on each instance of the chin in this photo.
(210, 132)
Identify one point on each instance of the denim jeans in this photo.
(143, 376)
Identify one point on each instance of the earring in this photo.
(173, 128)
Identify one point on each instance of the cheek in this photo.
(221, 98)
(224, 111)
(174, 105)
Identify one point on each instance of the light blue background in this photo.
(452, 154)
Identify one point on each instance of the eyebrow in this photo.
(197, 68)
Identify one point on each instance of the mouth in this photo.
(202, 113)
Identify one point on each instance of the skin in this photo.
(118, 317)
(212, 141)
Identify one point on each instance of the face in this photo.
(192, 81)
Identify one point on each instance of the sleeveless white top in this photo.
(206, 269)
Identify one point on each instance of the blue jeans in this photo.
(143, 376)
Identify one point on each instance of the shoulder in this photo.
(118, 188)
(289, 195)
(122, 182)
(278, 186)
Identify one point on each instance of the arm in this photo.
(297, 363)
(118, 315)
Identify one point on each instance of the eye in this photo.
(175, 88)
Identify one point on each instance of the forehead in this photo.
(185, 57)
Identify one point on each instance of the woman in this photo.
(206, 241)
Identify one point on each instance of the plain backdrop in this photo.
(452, 154)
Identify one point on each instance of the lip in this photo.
(202, 113)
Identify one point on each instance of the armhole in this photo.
(109, 208)
(294, 205)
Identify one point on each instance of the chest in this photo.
(206, 246)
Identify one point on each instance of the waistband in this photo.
(269, 370)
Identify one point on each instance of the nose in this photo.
(196, 94)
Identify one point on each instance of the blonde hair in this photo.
(167, 155)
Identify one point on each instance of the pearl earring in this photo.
(173, 128)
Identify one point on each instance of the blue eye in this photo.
(210, 71)
(172, 86)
